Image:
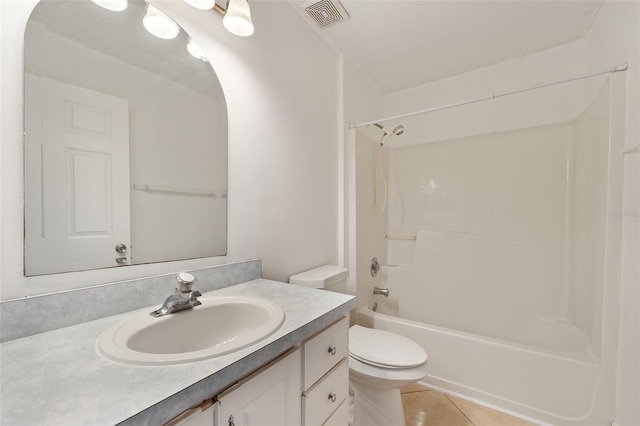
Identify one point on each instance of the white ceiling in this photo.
(406, 43)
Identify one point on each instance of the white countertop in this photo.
(58, 378)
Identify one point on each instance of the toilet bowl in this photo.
(380, 362)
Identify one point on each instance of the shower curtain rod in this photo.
(617, 68)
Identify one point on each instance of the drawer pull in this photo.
(332, 350)
(333, 397)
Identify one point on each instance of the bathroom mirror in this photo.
(125, 141)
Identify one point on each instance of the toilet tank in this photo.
(328, 277)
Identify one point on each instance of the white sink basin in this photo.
(219, 326)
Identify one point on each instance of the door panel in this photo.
(82, 166)
(89, 178)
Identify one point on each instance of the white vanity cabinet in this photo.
(326, 376)
(306, 386)
(268, 397)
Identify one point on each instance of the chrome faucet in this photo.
(382, 291)
(183, 298)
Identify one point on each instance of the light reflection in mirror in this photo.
(110, 108)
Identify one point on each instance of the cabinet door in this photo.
(270, 397)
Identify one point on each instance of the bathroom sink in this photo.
(218, 326)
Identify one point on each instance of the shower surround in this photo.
(502, 261)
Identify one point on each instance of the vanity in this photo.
(299, 372)
(106, 135)
(272, 394)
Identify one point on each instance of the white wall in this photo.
(551, 105)
(615, 38)
(281, 87)
(362, 100)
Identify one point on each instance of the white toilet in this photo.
(380, 362)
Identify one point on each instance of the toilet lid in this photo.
(384, 348)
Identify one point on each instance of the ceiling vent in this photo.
(325, 12)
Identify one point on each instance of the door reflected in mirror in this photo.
(125, 142)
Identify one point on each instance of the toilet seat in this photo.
(384, 349)
(385, 378)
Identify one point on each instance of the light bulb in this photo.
(114, 5)
(159, 24)
(201, 4)
(237, 20)
(195, 50)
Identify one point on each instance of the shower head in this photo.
(397, 131)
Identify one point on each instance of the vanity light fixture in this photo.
(195, 50)
(237, 18)
(201, 4)
(236, 15)
(159, 24)
(114, 5)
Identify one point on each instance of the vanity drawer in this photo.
(325, 350)
(319, 402)
(340, 417)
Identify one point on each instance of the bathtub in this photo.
(546, 385)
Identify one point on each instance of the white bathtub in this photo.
(541, 385)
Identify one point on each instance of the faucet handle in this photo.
(186, 281)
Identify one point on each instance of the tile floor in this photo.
(426, 407)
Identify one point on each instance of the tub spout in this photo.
(382, 291)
